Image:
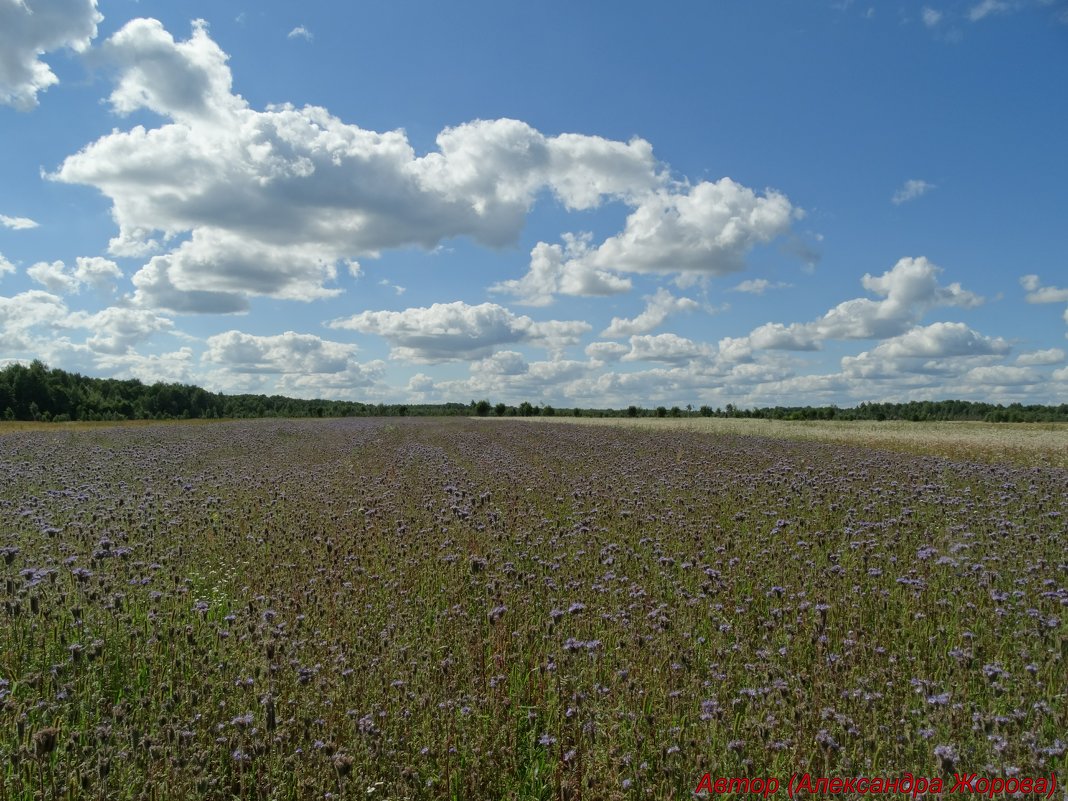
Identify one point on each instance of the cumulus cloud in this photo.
(300, 365)
(1038, 358)
(940, 340)
(420, 384)
(734, 350)
(547, 380)
(30, 28)
(229, 202)
(665, 348)
(1036, 293)
(456, 331)
(17, 223)
(776, 336)
(285, 353)
(503, 362)
(25, 311)
(97, 272)
(36, 321)
(152, 367)
(92, 271)
(5, 265)
(355, 382)
(704, 229)
(758, 286)
(935, 341)
(53, 276)
(658, 308)
(300, 32)
(117, 330)
(606, 351)
(186, 81)
(1002, 375)
(910, 191)
(908, 290)
(556, 269)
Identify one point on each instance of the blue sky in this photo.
(695, 203)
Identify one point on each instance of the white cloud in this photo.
(294, 364)
(503, 362)
(300, 32)
(27, 310)
(606, 351)
(705, 229)
(776, 336)
(420, 384)
(986, 8)
(758, 286)
(400, 290)
(665, 348)
(175, 366)
(908, 290)
(30, 28)
(456, 331)
(285, 353)
(1036, 293)
(355, 382)
(911, 190)
(97, 272)
(268, 202)
(117, 330)
(935, 341)
(556, 269)
(186, 81)
(942, 339)
(1038, 358)
(35, 321)
(1002, 376)
(658, 308)
(17, 223)
(93, 271)
(53, 276)
(5, 265)
(931, 17)
(735, 350)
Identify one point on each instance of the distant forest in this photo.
(36, 392)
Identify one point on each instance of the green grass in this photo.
(675, 602)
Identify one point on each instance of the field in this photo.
(483, 609)
(1030, 444)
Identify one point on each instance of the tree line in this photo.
(37, 392)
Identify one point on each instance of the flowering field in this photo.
(477, 610)
(1030, 444)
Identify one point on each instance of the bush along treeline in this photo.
(36, 392)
